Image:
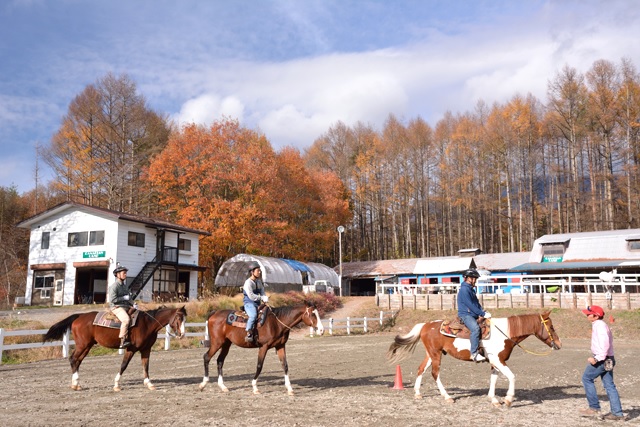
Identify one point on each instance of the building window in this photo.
(136, 239)
(552, 253)
(633, 245)
(96, 238)
(184, 244)
(44, 244)
(42, 282)
(77, 239)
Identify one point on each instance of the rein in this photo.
(546, 353)
(306, 311)
(171, 334)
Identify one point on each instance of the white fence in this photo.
(349, 323)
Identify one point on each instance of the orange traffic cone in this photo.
(397, 383)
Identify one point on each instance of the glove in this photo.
(135, 305)
(487, 315)
(264, 298)
(126, 297)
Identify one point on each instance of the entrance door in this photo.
(58, 293)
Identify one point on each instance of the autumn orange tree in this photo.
(228, 180)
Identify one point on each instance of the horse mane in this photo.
(523, 324)
(282, 311)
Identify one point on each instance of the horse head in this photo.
(311, 317)
(177, 322)
(547, 333)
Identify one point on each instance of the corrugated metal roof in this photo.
(378, 268)
(546, 267)
(587, 246)
(443, 265)
(501, 262)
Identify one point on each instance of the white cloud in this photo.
(207, 108)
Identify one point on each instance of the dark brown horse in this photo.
(273, 333)
(142, 336)
(506, 334)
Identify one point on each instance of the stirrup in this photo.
(249, 337)
(124, 343)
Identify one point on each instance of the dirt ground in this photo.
(341, 381)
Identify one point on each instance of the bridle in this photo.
(307, 312)
(170, 323)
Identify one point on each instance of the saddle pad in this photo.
(456, 329)
(239, 318)
(107, 319)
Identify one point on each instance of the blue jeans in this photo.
(472, 323)
(252, 310)
(592, 372)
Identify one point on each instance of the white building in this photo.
(74, 248)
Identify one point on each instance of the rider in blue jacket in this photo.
(469, 310)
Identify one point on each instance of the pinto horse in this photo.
(506, 334)
(273, 333)
(142, 336)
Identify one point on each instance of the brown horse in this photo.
(142, 336)
(506, 334)
(273, 333)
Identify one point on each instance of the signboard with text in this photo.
(94, 254)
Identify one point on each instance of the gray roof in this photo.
(501, 262)
(590, 246)
(392, 267)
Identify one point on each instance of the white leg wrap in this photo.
(443, 392)
(287, 384)
(417, 385)
(74, 378)
(221, 384)
(254, 384)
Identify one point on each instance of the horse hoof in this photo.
(449, 400)
(496, 404)
(151, 387)
(201, 386)
(76, 387)
(256, 392)
(117, 388)
(508, 403)
(290, 393)
(417, 396)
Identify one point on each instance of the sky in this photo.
(291, 69)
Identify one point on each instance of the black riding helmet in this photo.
(253, 265)
(472, 272)
(119, 268)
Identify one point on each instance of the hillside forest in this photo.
(494, 177)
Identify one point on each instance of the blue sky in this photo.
(291, 69)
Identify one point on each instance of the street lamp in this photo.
(340, 231)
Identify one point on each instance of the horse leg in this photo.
(75, 360)
(435, 373)
(261, 355)
(220, 363)
(509, 398)
(492, 387)
(125, 362)
(423, 366)
(282, 355)
(144, 358)
(214, 346)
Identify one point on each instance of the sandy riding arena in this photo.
(337, 381)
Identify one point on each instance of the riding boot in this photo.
(249, 337)
(124, 342)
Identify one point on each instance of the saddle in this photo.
(455, 328)
(239, 318)
(109, 320)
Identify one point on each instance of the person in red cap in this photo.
(600, 365)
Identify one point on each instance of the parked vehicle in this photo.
(320, 286)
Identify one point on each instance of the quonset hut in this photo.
(278, 274)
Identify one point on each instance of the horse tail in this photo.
(57, 331)
(403, 346)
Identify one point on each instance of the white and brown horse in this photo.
(506, 334)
